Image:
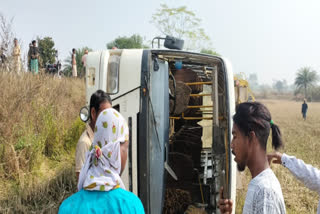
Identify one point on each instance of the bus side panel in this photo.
(143, 139)
(130, 71)
(159, 134)
(231, 108)
(93, 72)
(128, 106)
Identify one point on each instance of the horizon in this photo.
(272, 39)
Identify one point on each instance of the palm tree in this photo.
(305, 78)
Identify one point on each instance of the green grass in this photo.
(39, 129)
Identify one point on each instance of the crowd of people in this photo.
(33, 58)
(101, 154)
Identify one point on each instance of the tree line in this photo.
(305, 85)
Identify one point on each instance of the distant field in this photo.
(302, 139)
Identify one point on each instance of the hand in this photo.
(276, 156)
(225, 205)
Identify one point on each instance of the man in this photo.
(307, 174)
(304, 109)
(34, 56)
(84, 62)
(74, 63)
(16, 56)
(98, 102)
(29, 58)
(251, 127)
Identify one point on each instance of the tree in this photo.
(67, 70)
(264, 90)
(6, 43)
(47, 51)
(209, 51)
(181, 23)
(280, 85)
(306, 78)
(134, 41)
(6, 34)
(253, 81)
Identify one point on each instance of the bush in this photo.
(39, 125)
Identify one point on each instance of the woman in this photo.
(101, 189)
(34, 56)
(16, 56)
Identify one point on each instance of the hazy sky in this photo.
(272, 38)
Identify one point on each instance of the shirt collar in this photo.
(89, 132)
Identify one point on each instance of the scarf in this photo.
(101, 170)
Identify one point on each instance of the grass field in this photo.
(301, 139)
(39, 128)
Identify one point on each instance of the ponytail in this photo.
(276, 137)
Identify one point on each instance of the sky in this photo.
(272, 38)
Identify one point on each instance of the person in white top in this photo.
(84, 62)
(251, 128)
(307, 174)
(16, 56)
(74, 63)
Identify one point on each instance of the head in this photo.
(34, 43)
(15, 41)
(86, 52)
(111, 131)
(98, 102)
(304, 100)
(251, 128)
(108, 154)
(73, 50)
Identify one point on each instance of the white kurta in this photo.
(16, 58)
(307, 174)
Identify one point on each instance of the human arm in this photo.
(307, 174)
(225, 205)
(80, 158)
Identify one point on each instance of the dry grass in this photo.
(301, 140)
(39, 127)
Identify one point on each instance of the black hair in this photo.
(254, 116)
(73, 49)
(33, 41)
(97, 98)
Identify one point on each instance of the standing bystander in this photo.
(16, 56)
(84, 62)
(34, 57)
(304, 109)
(74, 63)
(251, 128)
(98, 102)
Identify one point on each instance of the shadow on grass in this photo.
(44, 198)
